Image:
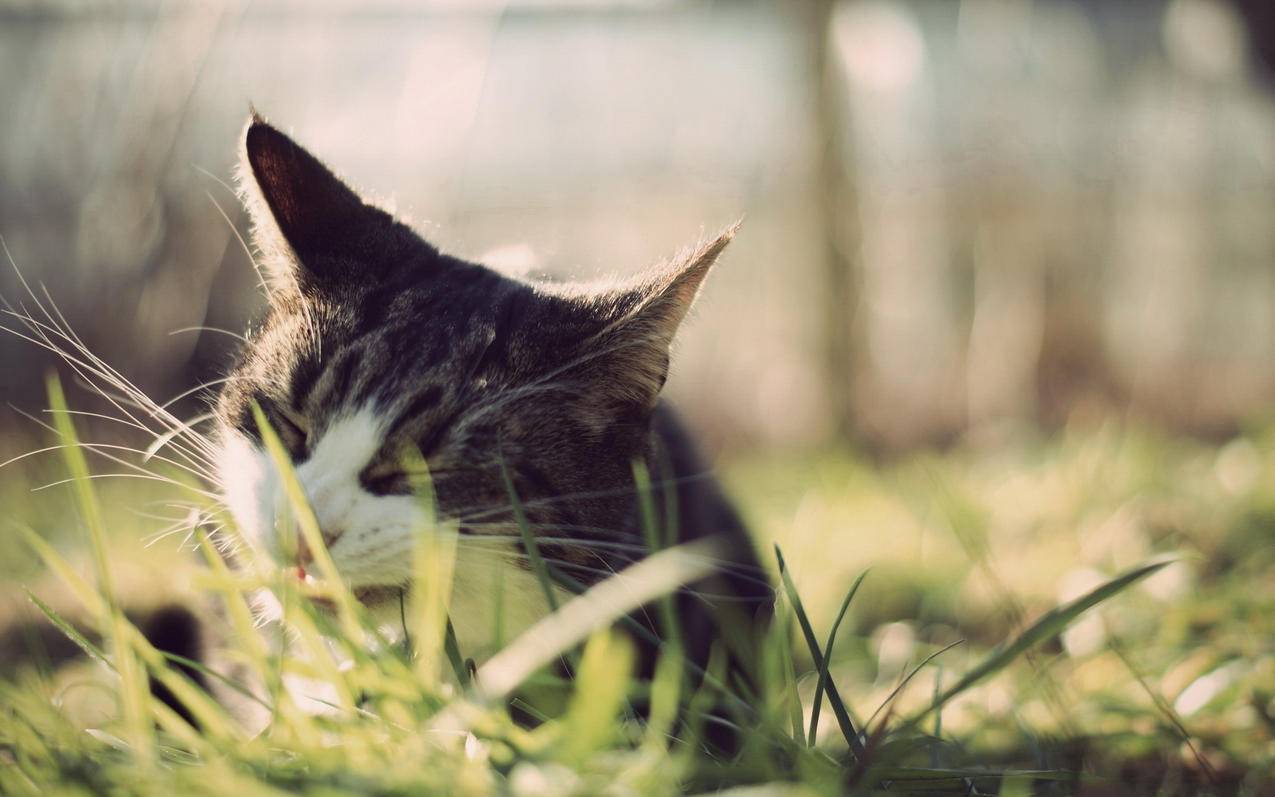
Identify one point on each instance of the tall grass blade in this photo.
(299, 618)
(655, 541)
(834, 697)
(896, 691)
(69, 631)
(785, 676)
(451, 647)
(602, 682)
(603, 603)
(666, 691)
(528, 539)
(81, 589)
(134, 691)
(1047, 626)
(1167, 712)
(822, 683)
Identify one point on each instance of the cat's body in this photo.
(523, 398)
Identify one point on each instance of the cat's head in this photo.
(376, 344)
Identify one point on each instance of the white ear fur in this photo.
(274, 258)
(306, 221)
(638, 342)
(673, 290)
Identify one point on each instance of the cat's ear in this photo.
(633, 351)
(311, 228)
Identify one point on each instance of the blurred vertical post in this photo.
(907, 313)
(834, 192)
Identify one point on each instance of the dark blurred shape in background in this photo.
(960, 216)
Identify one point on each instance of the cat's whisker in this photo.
(102, 416)
(102, 449)
(84, 363)
(202, 386)
(181, 525)
(213, 534)
(466, 516)
(175, 439)
(146, 476)
(190, 517)
(138, 471)
(509, 396)
(159, 442)
(79, 366)
(262, 282)
(630, 551)
(217, 330)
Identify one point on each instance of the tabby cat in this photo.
(377, 344)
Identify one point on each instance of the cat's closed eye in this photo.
(393, 476)
(291, 426)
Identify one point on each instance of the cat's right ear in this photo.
(311, 230)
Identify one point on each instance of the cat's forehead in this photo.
(389, 344)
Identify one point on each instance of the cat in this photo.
(377, 350)
(519, 395)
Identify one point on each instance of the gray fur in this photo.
(556, 385)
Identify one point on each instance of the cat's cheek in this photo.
(248, 488)
(378, 547)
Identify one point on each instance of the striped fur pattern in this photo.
(377, 344)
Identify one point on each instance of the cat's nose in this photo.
(304, 555)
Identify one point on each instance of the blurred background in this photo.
(1000, 321)
(959, 216)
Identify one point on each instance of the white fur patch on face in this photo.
(249, 482)
(370, 537)
(330, 479)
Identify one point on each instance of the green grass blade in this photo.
(208, 714)
(604, 603)
(602, 683)
(433, 569)
(666, 695)
(85, 497)
(1166, 711)
(247, 637)
(529, 540)
(299, 618)
(81, 589)
(1047, 626)
(655, 541)
(451, 648)
(134, 691)
(834, 697)
(209, 672)
(908, 678)
(81, 641)
(786, 674)
(822, 683)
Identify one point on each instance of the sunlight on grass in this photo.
(964, 547)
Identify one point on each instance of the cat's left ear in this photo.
(313, 230)
(634, 350)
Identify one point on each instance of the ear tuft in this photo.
(311, 207)
(635, 364)
(672, 293)
(312, 229)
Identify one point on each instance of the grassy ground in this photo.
(1166, 686)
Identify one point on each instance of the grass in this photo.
(1022, 630)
